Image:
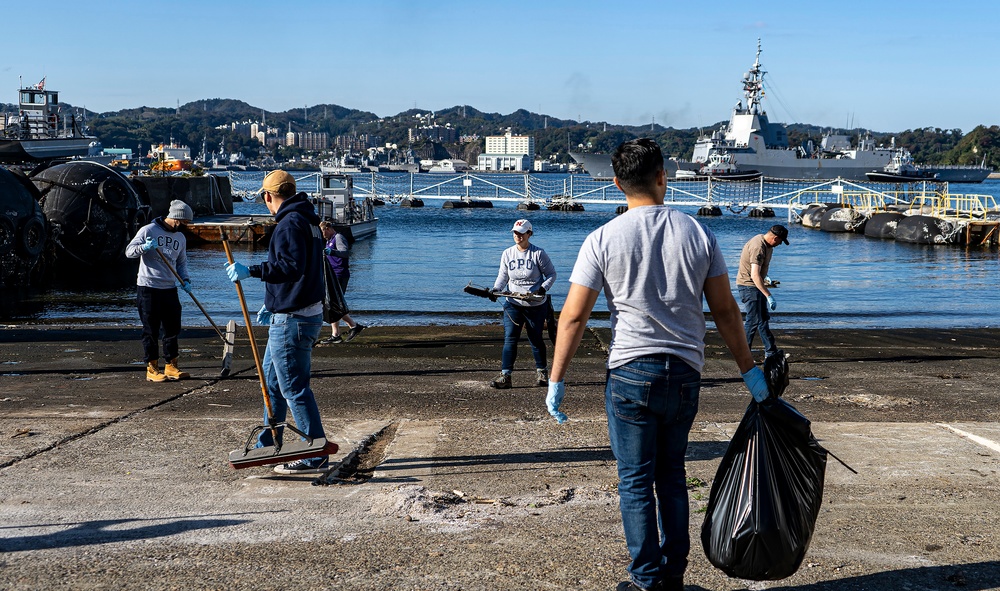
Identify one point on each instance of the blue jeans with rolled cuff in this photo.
(287, 365)
(515, 317)
(757, 315)
(651, 404)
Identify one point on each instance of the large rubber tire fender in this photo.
(8, 234)
(31, 240)
(113, 193)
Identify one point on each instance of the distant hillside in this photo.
(197, 121)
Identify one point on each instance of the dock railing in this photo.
(955, 206)
(736, 196)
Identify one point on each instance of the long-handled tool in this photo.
(218, 331)
(227, 360)
(493, 295)
(251, 456)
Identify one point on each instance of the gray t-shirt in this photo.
(652, 263)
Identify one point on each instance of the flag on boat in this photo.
(41, 85)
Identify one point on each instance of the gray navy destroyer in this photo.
(752, 143)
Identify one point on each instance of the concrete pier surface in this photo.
(111, 482)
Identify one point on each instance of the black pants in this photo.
(160, 313)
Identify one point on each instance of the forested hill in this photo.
(202, 120)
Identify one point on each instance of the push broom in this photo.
(249, 456)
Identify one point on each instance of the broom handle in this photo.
(200, 307)
(253, 344)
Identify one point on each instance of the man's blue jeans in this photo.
(755, 306)
(651, 404)
(287, 365)
(514, 317)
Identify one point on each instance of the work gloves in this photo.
(149, 244)
(493, 295)
(771, 304)
(757, 384)
(263, 316)
(555, 396)
(237, 272)
(186, 286)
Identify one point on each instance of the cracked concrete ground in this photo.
(110, 482)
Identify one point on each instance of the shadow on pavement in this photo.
(976, 576)
(107, 531)
(697, 450)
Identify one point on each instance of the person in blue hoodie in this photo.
(293, 307)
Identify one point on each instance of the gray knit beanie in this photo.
(180, 211)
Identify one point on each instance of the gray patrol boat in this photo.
(752, 143)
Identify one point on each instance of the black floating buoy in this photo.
(411, 202)
(710, 210)
(761, 212)
(883, 224)
(925, 229)
(376, 201)
(566, 207)
(843, 219)
(462, 204)
(621, 209)
(813, 215)
(528, 206)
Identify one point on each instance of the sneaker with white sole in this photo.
(302, 466)
(542, 378)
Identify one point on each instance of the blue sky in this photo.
(886, 65)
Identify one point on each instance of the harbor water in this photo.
(413, 271)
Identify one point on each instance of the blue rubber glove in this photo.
(767, 279)
(327, 251)
(771, 304)
(186, 286)
(554, 398)
(263, 316)
(237, 272)
(149, 245)
(757, 384)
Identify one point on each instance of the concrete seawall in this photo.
(207, 195)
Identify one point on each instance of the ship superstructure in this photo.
(757, 144)
(41, 129)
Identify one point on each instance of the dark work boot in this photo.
(501, 382)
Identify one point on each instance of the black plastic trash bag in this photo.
(768, 489)
(334, 304)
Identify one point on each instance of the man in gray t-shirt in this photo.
(654, 265)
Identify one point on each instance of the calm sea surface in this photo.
(413, 271)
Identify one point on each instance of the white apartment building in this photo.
(511, 144)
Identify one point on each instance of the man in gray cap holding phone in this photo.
(754, 285)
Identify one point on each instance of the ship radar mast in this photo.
(753, 85)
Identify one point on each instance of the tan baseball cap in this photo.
(276, 180)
